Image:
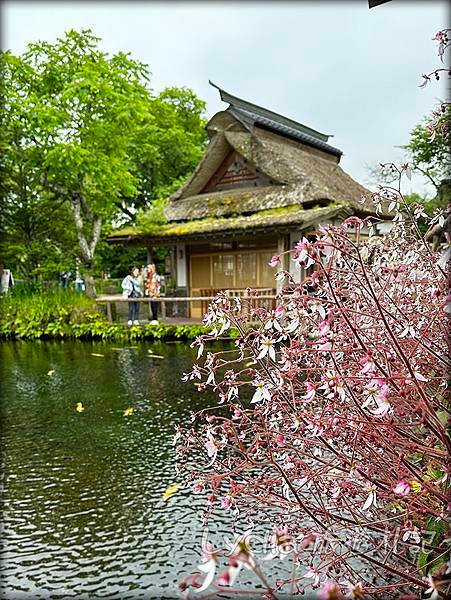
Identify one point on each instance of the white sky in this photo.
(335, 66)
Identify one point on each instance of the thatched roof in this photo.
(299, 178)
(248, 113)
(299, 170)
(263, 221)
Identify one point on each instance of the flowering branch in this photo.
(330, 421)
(330, 434)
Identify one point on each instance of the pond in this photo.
(81, 496)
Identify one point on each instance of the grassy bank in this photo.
(68, 315)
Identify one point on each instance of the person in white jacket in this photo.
(6, 280)
(132, 287)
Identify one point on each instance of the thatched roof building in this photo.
(263, 182)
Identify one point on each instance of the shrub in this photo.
(68, 314)
(330, 427)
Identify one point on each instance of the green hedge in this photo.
(69, 315)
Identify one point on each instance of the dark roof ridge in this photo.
(269, 114)
(286, 131)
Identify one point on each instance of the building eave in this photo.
(262, 222)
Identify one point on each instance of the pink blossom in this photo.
(228, 577)
(224, 578)
(262, 391)
(241, 552)
(211, 448)
(226, 502)
(280, 439)
(402, 488)
(420, 377)
(198, 487)
(368, 365)
(273, 324)
(409, 330)
(382, 409)
(330, 591)
(275, 260)
(340, 430)
(296, 423)
(279, 311)
(371, 498)
(433, 589)
(211, 379)
(311, 392)
(312, 573)
(355, 590)
(376, 393)
(237, 414)
(195, 374)
(208, 566)
(324, 328)
(301, 254)
(267, 347)
(325, 347)
(317, 307)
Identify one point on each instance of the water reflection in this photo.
(81, 493)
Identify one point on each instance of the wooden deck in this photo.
(117, 299)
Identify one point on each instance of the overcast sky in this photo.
(336, 66)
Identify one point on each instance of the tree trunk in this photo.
(87, 247)
(87, 240)
(89, 286)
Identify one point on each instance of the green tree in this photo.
(82, 130)
(177, 131)
(429, 150)
(37, 238)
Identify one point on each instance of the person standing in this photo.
(65, 278)
(79, 283)
(6, 280)
(152, 289)
(132, 288)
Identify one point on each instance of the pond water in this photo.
(81, 495)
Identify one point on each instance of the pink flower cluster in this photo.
(330, 425)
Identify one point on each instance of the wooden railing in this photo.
(253, 300)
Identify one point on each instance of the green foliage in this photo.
(430, 155)
(169, 147)
(83, 141)
(66, 314)
(118, 260)
(433, 561)
(35, 315)
(154, 217)
(429, 205)
(37, 238)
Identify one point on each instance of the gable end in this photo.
(235, 172)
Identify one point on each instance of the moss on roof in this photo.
(272, 219)
(298, 175)
(301, 178)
